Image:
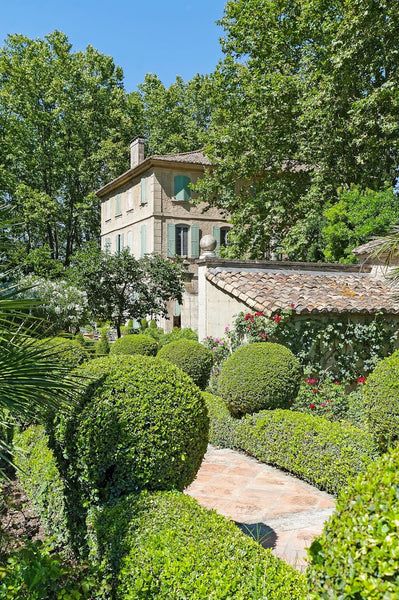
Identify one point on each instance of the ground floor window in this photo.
(182, 240)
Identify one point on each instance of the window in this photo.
(145, 189)
(107, 209)
(143, 240)
(119, 243)
(224, 232)
(129, 200)
(118, 206)
(182, 190)
(181, 248)
(130, 241)
(107, 245)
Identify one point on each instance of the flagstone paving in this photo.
(278, 510)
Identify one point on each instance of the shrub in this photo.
(326, 399)
(102, 346)
(222, 425)
(175, 549)
(41, 480)
(135, 344)
(70, 351)
(178, 334)
(35, 572)
(357, 556)
(192, 358)
(142, 424)
(357, 414)
(259, 376)
(381, 394)
(325, 454)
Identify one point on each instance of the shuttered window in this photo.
(182, 190)
(145, 189)
(119, 243)
(143, 240)
(171, 240)
(130, 241)
(118, 206)
(182, 240)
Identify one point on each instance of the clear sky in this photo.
(166, 37)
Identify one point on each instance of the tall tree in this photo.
(175, 117)
(253, 137)
(65, 124)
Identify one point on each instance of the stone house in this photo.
(149, 209)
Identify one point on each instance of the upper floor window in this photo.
(118, 206)
(145, 189)
(182, 189)
(129, 199)
(107, 209)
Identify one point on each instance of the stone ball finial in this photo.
(208, 246)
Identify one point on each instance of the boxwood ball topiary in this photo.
(70, 352)
(357, 556)
(192, 358)
(259, 376)
(381, 397)
(135, 344)
(143, 425)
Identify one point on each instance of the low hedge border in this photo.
(174, 548)
(318, 451)
(40, 478)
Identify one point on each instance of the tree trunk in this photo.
(118, 330)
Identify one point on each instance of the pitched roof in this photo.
(196, 157)
(310, 292)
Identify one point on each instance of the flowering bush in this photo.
(344, 346)
(323, 398)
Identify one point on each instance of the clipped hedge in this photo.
(381, 395)
(70, 351)
(357, 556)
(175, 549)
(259, 376)
(326, 454)
(135, 344)
(142, 424)
(41, 480)
(192, 358)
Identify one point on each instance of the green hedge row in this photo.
(323, 453)
(175, 549)
(41, 480)
(357, 555)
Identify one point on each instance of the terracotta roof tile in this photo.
(194, 157)
(310, 292)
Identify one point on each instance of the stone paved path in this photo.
(280, 511)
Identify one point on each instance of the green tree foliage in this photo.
(305, 101)
(355, 218)
(175, 118)
(65, 123)
(120, 287)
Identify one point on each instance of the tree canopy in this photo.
(119, 287)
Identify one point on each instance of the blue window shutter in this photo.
(195, 235)
(182, 189)
(171, 240)
(143, 239)
(216, 235)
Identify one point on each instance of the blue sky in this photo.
(175, 37)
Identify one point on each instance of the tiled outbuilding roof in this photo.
(368, 248)
(196, 157)
(310, 292)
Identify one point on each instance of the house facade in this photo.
(150, 209)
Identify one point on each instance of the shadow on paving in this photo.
(260, 532)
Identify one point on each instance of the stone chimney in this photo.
(136, 152)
